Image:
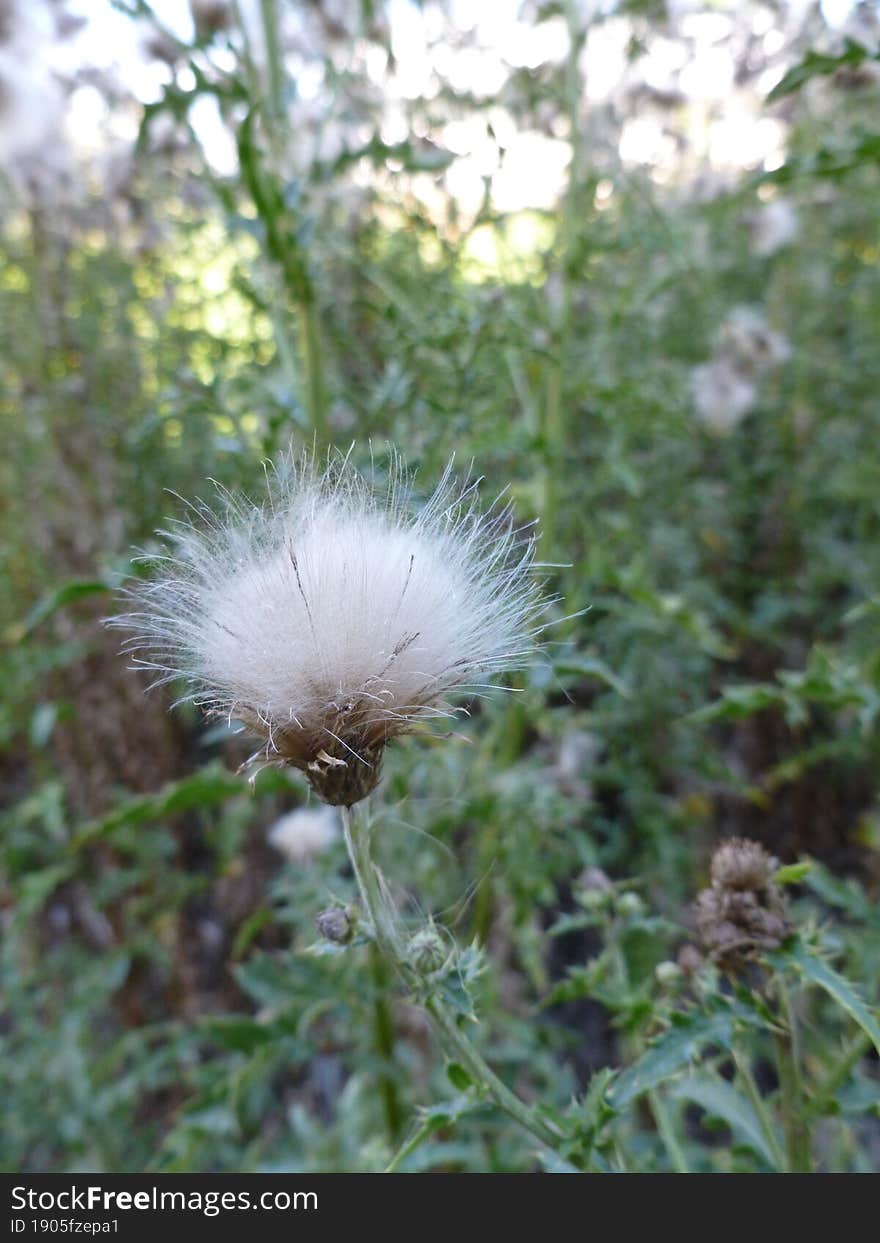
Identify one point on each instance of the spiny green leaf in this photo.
(677, 1048)
(814, 968)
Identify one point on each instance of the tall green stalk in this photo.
(794, 1120)
(390, 944)
(263, 176)
(383, 1039)
(556, 445)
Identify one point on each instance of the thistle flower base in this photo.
(342, 783)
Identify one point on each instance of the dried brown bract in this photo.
(743, 911)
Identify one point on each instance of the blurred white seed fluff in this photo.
(336, 615)
(772, 227)
(722, 395)
(749, 342)
(303, 834)
(725, 389)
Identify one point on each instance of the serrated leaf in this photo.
(672, 1052)
(446, 1112)
(819, 972)
(846, 895)
(456, 995)
(721, 1100)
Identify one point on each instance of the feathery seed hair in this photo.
(335, 616)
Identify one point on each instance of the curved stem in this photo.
(419, 1135)
(390, 944)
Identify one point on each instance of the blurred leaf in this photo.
(67, 593)
(239, 1033)
(591, 667)
(793, 873)
(814, 968)
(685, 1040)
(721, 1100)
(818, 64)
(209, 787)
(35, 887)
(458, 1076)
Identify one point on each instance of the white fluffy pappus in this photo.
(722, 395)
(336, 615)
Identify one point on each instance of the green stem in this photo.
(797, 1135)
(411, 1145)
(383, 1038)
(389, 942)
(274, 64)
(313, 360)
(485, 1078)
(759, 1105)
(263, 178)
(555, 410)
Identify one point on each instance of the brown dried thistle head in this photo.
(743, 911)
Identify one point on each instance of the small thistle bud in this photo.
(668, 972)
(336, 924)
(743, 911)
(630, 904)
(593, 889)
(335, 618)
(594, 880)
(426, 951)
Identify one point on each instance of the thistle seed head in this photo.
(742, 864)
(743, 911)
(722, 395)
(337, 616)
